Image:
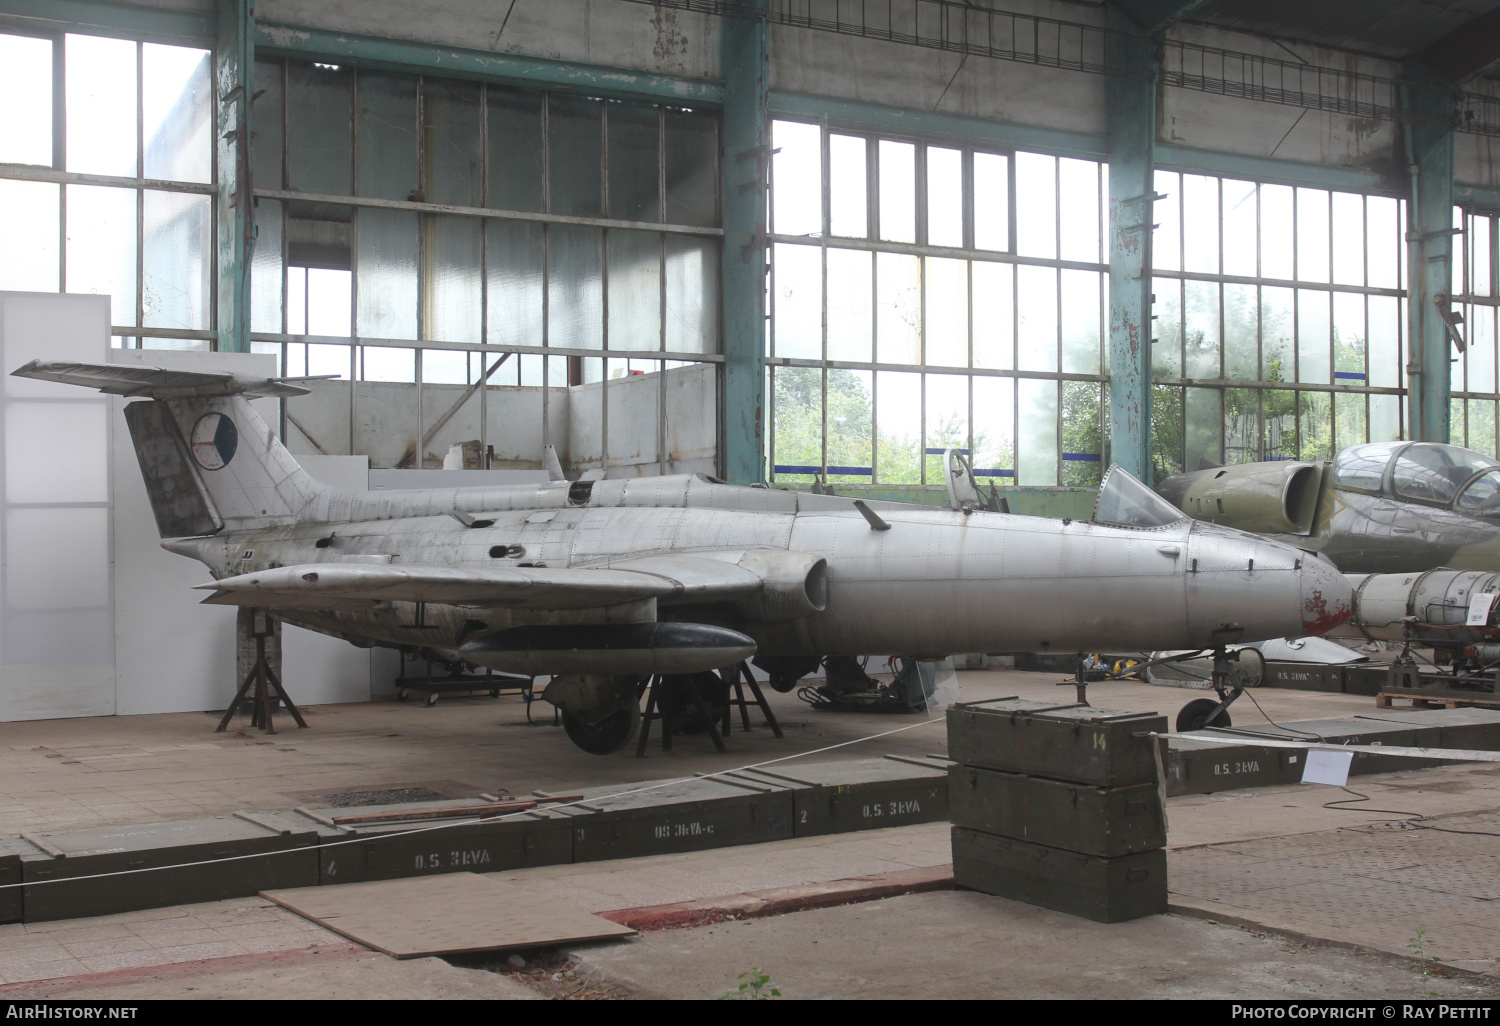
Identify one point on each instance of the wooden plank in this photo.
(444, 915)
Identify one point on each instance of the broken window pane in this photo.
(178, 257)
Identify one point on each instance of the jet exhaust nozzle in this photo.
(616, 648)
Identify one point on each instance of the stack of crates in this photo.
(1058, 806)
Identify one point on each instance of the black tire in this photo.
(431, 700)
(1194, 715)
(402, 694)
(607, 736)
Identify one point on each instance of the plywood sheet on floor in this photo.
(444, 915)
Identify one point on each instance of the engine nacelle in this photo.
(1270, 498)
(794, 584)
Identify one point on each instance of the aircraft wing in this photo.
(775, 583)
(359, 586)
(698, 576)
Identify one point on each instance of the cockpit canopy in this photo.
(1426, 472)
(1125, 502)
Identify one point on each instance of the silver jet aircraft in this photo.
(601, 583)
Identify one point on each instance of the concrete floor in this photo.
(62, 774)
(962, 944)
(1229, 870)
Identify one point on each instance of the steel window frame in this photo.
(872, 243)
(57, 31)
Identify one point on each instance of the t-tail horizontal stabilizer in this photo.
(210, 462)
(159, 382)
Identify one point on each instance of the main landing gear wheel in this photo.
(608, 735)
(1194, 715)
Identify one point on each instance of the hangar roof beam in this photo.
(1467, 52)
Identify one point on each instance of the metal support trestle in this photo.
(267, 685)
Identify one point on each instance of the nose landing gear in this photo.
(1233, 672)
(1231, 676)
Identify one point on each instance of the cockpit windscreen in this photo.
(1433, 473)
(1125, 502)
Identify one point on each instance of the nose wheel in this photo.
(1200, 713)
(1232, 673)
(1230, 679)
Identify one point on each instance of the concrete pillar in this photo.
(744, 59)
(1130, 111)
(1429, 261)
(234, 64)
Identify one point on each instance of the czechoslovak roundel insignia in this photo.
(214, 440)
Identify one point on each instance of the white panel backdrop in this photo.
(97, 617)
(56, 634)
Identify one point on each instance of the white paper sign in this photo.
(1479, 609)
(1325, 767)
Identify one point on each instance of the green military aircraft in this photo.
(1382, 507)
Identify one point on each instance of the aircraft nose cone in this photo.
(1327, 598)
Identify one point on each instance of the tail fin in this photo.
(208, 458)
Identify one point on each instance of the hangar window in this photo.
(422, 237)
(1279, 315)
(912, 311)
(1472, 414)
(124, 135)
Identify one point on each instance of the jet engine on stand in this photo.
(1455, 613)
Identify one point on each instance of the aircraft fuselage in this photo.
(939, 581)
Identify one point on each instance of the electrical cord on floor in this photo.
(1417, 819)
(1278, 726)
(1450, 830)
(1339, 805)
